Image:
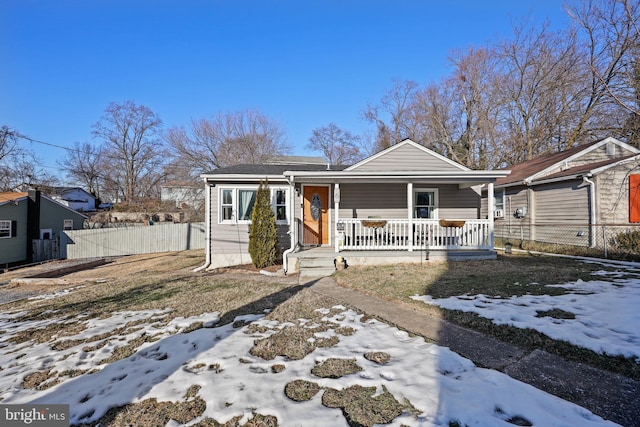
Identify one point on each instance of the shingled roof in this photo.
(11, 195)
(272, 169)
(524, 170)
(529, 169)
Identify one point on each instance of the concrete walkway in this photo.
(613, 397)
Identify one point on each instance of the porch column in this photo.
(410, 215)
(490, 213)
(336, 209)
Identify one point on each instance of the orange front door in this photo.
(316, 215)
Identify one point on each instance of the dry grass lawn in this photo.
(161, 281)
(509, 275)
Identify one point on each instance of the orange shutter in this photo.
(634, 198)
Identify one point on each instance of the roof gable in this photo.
(566, 163)
(407, 156)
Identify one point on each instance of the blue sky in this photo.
(303, 63)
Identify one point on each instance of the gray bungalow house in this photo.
(27, 217)
(402, 201)
(570, 197)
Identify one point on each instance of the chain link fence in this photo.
(614, 241)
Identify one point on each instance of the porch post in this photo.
(336, 210)
(490, 213)
(410, 215)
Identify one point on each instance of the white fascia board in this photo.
(612, 165)
(240, 177)
(357, 176)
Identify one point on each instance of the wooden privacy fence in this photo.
(44, 250)
(105, 242)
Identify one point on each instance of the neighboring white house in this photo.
(182, 195)
(74, 198)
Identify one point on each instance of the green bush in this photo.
(263, 238)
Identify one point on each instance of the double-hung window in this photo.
(246, 200)
(498, 203)
(236, 204)
(425, 203)
(280, 204)
(5, 229)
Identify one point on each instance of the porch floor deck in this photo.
(318, 261)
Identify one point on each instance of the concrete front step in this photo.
(320, 266)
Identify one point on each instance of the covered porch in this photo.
(412, 234)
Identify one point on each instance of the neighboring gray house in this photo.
(405, 199)
(75, 198)
(29, 216)
(566, 196)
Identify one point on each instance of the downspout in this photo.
(207, 237)
(592, 209)
(292, 227)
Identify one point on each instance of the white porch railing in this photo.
(403, 234)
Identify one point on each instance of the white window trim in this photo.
(65, 222)
(44, 231)
(436, 209)
(3, 226)
(500, 194)
(234, 201)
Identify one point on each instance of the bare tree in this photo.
(338, 146)
(460, 115)
(392, 115)
(19, 166)
(84, 163)
(226, 139)
(8, 142)
(610, 34)
(130, 135)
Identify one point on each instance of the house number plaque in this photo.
(316, 207)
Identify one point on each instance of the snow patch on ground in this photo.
(607, 319)
(442, 385)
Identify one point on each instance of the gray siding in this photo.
(232, 239)
(612, 194)
(510, 227)
(14, 249)
(365, 200)
(390, 201)
(458, 203)
(566, 202)
(407, 157)
(52, 216)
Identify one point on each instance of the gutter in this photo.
(592, 209)
(292, 227)
(207, 237)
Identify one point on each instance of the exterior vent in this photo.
(498, 213)
(611, 149)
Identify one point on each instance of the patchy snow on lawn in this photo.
(439, 383)
(607, 319)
